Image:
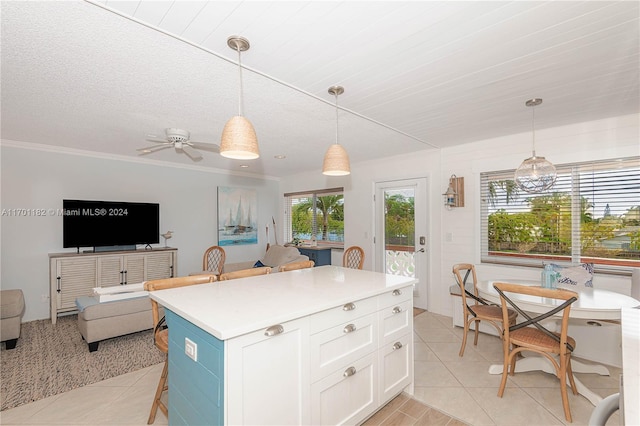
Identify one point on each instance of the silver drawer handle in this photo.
(349, 328)
(349, 372)
(396, 292)
(274, 330)
(397, 345)
(349, 307)
(396, 310)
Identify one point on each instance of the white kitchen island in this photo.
(325, 345)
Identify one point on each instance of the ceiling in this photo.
(100, 76)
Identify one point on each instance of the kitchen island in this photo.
(325, 345)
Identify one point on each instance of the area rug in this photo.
(51, 359)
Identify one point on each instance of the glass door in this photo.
(401, 232)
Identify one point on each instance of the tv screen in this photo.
(89, 223)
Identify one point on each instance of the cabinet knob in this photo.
(397, 345)
(349, 372)
(349, 328)
(274, 330)
(396, 292)
(397, 310)
(349, 307)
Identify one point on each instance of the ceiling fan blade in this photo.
(192, 153)
(153, 148)
(205, 146)
(154, 138)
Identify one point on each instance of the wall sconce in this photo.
(454, 197)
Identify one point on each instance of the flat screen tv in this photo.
(88, 223)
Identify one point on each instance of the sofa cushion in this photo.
(279, 255)
(11, 303)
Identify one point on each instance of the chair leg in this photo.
(505, 368)
(475, 339)
(464, 336)
(563, 389)
(570, 374)
(162, 386)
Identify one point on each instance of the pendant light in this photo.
(239, 139)
(535, 174)
(336, 159)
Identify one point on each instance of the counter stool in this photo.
(11, 309)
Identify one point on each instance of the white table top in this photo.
(592, 303)
(227, 309)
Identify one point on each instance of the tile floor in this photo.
(449, 390)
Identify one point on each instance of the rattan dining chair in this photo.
(213, 260)
(474, 308)
(532, 336)
(243, 273)
(296, 265)
(161, 333)
(353, 257)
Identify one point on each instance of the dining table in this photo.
(592, 304)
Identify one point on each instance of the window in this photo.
(315, 213)
(592, 214)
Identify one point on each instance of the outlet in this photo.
(191, 349)
(448, 237)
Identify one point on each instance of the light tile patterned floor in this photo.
(449, 390)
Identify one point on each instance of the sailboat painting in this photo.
(237, 216)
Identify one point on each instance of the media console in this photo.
(72, 275)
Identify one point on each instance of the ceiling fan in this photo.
(178, 139)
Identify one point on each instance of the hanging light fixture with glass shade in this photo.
(336, 159)
(239, 139)
(535, 174)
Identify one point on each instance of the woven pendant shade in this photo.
(336, 161)
(239, 140)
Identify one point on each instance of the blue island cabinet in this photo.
(196, 388)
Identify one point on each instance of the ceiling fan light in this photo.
(336, 161)
(535, 174)
(239, 140)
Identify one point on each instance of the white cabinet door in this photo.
(267, 378)
(110, 271)
(348, 395)
(396, 367)
(133, 266)
(73, 277)
(160, 265)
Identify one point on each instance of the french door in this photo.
(401, 232)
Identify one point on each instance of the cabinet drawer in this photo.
(395, 296)
(348, 395)
(342, 314)
(395, 320)
(396, 366)
(333, 348)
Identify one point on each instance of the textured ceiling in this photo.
(101, 76)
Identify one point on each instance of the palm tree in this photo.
(326, 206)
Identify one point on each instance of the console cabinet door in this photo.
(71, 278)
(268, 376)
(159, 265)
(110, 271)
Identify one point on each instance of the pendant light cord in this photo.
(533, 131)
(240, 106)
(336, 94)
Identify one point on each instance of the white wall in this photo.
(602, 139)
(40, 179)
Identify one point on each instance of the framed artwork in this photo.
(237, 216)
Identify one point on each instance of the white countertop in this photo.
(227, 309)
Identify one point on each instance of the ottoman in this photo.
(100, 321)
(11, 309)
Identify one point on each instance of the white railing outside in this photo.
(401, 263)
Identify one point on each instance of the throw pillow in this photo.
(581, 274)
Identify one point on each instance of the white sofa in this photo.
(274, 257)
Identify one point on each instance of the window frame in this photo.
(573, 175)
(310, 194)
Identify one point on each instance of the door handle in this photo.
(420, 251)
